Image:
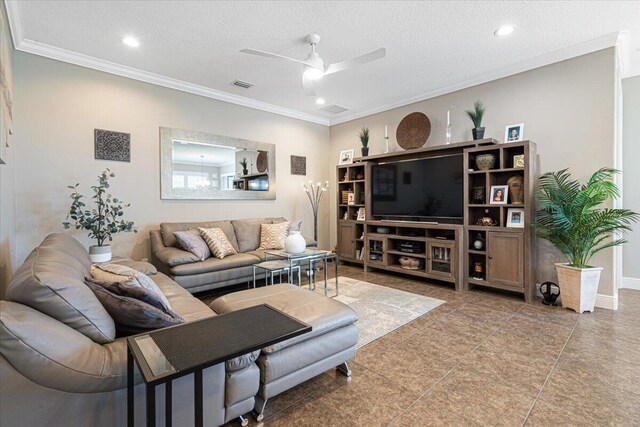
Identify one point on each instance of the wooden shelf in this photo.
(486, 205)
(419, 255)
(496, 170)
(474, 251)
(350, 181)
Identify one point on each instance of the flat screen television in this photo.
(419, 190)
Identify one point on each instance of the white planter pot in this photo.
(578, 287)
(295, 243)
(100, 253)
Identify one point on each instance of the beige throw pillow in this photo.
(272, 236)
(217, 242)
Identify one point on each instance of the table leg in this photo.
(197, 384)
(130, 390)
(151, 406)
(254, 277)
(326, 277)
(168, 404)
(299, 275)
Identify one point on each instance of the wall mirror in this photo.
(202, 166)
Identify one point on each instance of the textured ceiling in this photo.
(430, 45)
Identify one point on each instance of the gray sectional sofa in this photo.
(61, 365)
(195, 275)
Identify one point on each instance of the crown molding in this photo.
(609, 40)
(14, 16)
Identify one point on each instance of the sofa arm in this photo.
(310, 242)
(57, 356)
(168, 255)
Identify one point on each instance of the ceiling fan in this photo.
(313, 65)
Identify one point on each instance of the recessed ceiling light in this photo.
(320, 101)
(131, 41)
(505, 30)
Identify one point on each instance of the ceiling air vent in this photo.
(333, 109)
(244, 85)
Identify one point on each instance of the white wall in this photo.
(631, 175)
(567, 109)
(7, 171)
(58, 105)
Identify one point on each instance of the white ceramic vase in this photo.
(295, 243)
(100, 253)
(578, 287)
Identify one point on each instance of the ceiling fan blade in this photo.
(309, 88)
(272, 55)
(354, 62)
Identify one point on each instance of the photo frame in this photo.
(351, 198)
(499, 194)
(361, 214)
(515, 218)
(514, 133)
(346, 157)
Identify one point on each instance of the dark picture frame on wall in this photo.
(112, 145)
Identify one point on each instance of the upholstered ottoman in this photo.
(331, 342)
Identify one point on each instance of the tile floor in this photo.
(483, 358)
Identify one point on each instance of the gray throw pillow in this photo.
(192, 241)
(141, 266)
(133, 309)
(295, 225)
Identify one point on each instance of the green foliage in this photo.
(476, 114)
(104, 220)
(243, 163)
(572, 220)
(364, 136)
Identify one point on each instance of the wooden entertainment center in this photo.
(442, 251)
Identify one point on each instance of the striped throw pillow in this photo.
(217, 242)
(272, 236)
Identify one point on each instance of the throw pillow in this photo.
(217, 242)
(192, 241)
(141, 266)
(128, 305)
(120, 273)
(272, 236)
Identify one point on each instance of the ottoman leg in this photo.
(243, 421)
(344, 368)
(258, 409)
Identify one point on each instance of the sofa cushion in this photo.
(217, 241)
(141, 266)
(192, 241)
(182, 302)
(167, 229)
(215, 264)
(323, 314)
(131, 307)
(248, 232)
(121, 273)
(51, 280)
(272, 236)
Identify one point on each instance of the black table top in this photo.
(179, 350)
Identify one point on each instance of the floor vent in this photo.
(333, 109)
(244, 85)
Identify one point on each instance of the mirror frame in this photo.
(167, 135)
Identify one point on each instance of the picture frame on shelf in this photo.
(351, 198)
(514, 133)
(499, 194)
(518, 161)
(361, 214)
(346, 157)
(515, 218)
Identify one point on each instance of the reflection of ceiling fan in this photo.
(313, 65)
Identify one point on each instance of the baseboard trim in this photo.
(607, 301)
(630, 283)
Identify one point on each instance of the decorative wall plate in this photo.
(262, 162)
(413, 131)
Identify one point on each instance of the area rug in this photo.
(380, 309)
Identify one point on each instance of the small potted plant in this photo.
(243, 163)
(103, 221)
(364, 139)
(476, 117)
(572, 219)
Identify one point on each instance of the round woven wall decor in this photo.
(262, 162)
(413, 131)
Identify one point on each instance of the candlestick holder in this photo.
(448, 133)
(386, 144)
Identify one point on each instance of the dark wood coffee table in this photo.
(161, 358)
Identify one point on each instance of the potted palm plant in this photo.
(476, 116)
(243, 163)
(572, 218)
(102, 221)
(364, 139)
